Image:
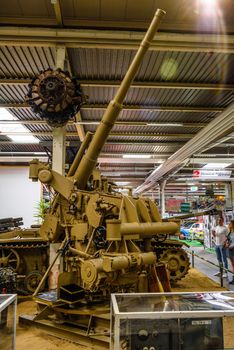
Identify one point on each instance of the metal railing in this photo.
(222, 269)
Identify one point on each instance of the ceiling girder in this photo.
(134, 107)
(136, 84)
(49, 133)
(58, 12)
(72, 38)
(96, 122)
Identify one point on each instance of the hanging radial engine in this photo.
(55, 96)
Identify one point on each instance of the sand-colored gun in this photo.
(111, 242)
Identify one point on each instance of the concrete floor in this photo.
(208, 269)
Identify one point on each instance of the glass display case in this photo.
(7, 321)
(172, 321)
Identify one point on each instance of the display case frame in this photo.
(223, 307)
(7, 300)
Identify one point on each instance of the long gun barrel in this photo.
(89, 160)
(210, 211)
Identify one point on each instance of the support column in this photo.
(59, 150)
(59, 134)
(58, 165)
(162, 197)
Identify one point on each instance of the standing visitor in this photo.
(220, 233)
(230, 245)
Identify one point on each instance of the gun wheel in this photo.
(177, 262)
(32, 280)
(9, 258)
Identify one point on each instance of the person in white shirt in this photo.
(220, 233)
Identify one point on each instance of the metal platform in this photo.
(84, 325)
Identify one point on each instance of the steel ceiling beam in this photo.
(97, 122)
(25, 21)
(58, 12)
(118, 39)
(76, 143)
(158, 85)
(132, 107)
(87, 23)
(49, 133)
(159, 108)
(136, 84)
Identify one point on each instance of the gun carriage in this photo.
(110, 242)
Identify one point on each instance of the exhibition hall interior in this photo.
(117, 174)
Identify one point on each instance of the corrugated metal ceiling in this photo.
(196, 67)
(151, 116)
(163, 97)
(145, 148)
(21, 148)
(143, 97)
(25, 62)
(126, 14)
(144, 129)
(98, 65)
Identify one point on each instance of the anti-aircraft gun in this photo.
(110, 242)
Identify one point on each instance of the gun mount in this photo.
(110, 242)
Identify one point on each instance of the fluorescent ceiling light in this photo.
(21, 153)
(21, 159)
(216, 165)
(122, 183)
(15, 128)
(165, 124)
(137, 155)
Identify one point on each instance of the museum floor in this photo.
(208, 269)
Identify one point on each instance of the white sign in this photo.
(201, 322)
(212, 173)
